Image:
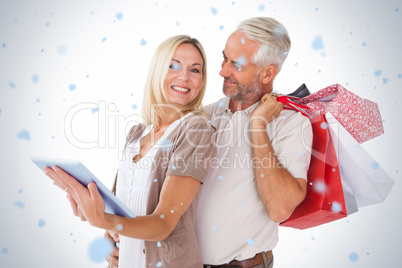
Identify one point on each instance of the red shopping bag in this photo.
(359, 116)
(325, 199)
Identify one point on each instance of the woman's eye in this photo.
(174, 66)
(196, 71)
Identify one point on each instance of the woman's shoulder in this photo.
(197, 121)
(135, 131)
(138, 127)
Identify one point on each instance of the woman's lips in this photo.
(180, 89)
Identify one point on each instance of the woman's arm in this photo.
(176, 196)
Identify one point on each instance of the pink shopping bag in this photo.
(359, 116)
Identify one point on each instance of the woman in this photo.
(166, 160)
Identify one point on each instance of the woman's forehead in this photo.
(187, 52)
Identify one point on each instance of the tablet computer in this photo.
(77, 170)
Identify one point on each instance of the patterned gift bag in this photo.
(360, 117)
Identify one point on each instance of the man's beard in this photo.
(244, 92)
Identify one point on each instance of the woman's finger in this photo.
(76, 209)
(55, 178)
(73, 204)
(69, 180)
(76, 188)
(82, 216)
(94, 192)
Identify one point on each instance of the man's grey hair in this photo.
(273, 39)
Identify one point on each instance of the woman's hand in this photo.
(86, 202)
(55, 178)
(76, 209)
(59, 182)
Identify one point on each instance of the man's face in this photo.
(241, 76)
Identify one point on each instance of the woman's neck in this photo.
(170, 115)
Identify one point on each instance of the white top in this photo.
(133, 185)
(231, 221)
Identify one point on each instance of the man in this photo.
(263, 153)
(259, 174)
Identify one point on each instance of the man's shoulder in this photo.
(293, 115)
(290, 119)
(211, 108)
(212, 105)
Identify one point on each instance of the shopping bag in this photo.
(300, 92)
(288, 100)
(327, 198)
(360, 117)
(369, 182)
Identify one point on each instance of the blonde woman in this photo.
(165, 161)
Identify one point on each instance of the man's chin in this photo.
(229, 92)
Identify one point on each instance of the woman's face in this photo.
(183, 81)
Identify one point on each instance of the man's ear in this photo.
(268, 74)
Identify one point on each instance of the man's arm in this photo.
(279, 191)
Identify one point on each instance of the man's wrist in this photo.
(258, 124)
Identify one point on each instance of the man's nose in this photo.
(225, 71)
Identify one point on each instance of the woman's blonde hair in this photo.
(154, 95)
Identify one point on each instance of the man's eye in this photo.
(237, 67)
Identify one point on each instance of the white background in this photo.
(103, 48)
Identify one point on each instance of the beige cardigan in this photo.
(187, 151)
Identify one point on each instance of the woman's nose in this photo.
(183, 75)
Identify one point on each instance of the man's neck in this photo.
(240, 105)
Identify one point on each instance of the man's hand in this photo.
(113, 258)
(279, 191)
(268, 109)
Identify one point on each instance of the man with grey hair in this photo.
(263, 155)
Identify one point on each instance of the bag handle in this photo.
(290, 105)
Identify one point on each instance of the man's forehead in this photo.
(238, 44)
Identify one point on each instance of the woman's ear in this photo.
(268, 74)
